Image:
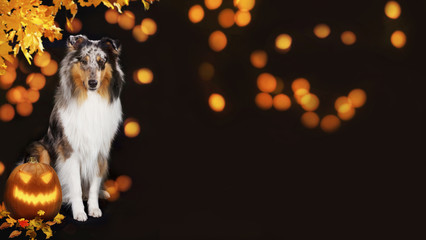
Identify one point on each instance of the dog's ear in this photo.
(74, 42)
(111, 46)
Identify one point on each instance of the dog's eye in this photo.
(101, 63)
(83, 61)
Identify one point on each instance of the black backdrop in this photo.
(247, 173)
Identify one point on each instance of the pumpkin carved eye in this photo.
(25, 177)
(46, 177)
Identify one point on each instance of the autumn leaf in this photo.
(48, 231)
(40, 212)
(10, 220)
(23, 223)
(50, 223)
(36, 223)
(15, 234)
(5, 225)
(31, 233)
(59, 217)
(145, 4)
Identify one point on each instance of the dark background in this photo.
(246, 173)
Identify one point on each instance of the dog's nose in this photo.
(93, 83)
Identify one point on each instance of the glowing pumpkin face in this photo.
(31, 187)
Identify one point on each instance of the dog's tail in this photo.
(37, 151)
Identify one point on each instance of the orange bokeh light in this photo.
(36, 81)
(206, 71)
(266, 82)
(259, 58)
(217, 41)
(112, 188)
(212, 4)
(348, 37)
(322, 30)
(33, 95)
(24, 109)
(310, 120)
(347, 115)
(196, 13)
(358, 97)
(309, 102)
(126, 20)
(392, 9)
(245, 5)
(75, 26)
(143, 76)
(7, 79)
(226, 18)
(300, 83)
(264, 101)
(330, 123)
(111, 16)
(149, 26)
(216, 102)
(398, 39)
(131, 128)
(299, 94)
(42, 59)
(15, 95)
(281, 102)
(124, 183)
(342, 104)
(50, 69)
(138, 34)
(7, 112)
(1, 168)
(283, 42)
(242, 18)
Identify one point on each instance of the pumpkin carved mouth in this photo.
(35, 199)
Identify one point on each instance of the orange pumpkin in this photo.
(31, 187)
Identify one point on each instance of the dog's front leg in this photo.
(95, 185)
(69, 173)
(93, 201)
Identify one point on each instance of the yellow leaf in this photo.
(145, 4)
(69, 24)
(50, 223)
(59, 217)
(10, 220)
(40, 212)
(48, 231)
(36, 223)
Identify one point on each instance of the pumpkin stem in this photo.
(32, 160)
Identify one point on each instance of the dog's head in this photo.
(92, 61)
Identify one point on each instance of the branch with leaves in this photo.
(24, 22)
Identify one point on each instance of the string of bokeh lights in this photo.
(271, 87)
(141, 33)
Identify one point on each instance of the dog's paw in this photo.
(95, 212)
(80, 216)
(104, 194)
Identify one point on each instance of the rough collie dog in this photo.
(84, 120)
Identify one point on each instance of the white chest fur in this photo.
(90, 126)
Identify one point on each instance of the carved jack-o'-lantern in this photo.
(31, 187)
